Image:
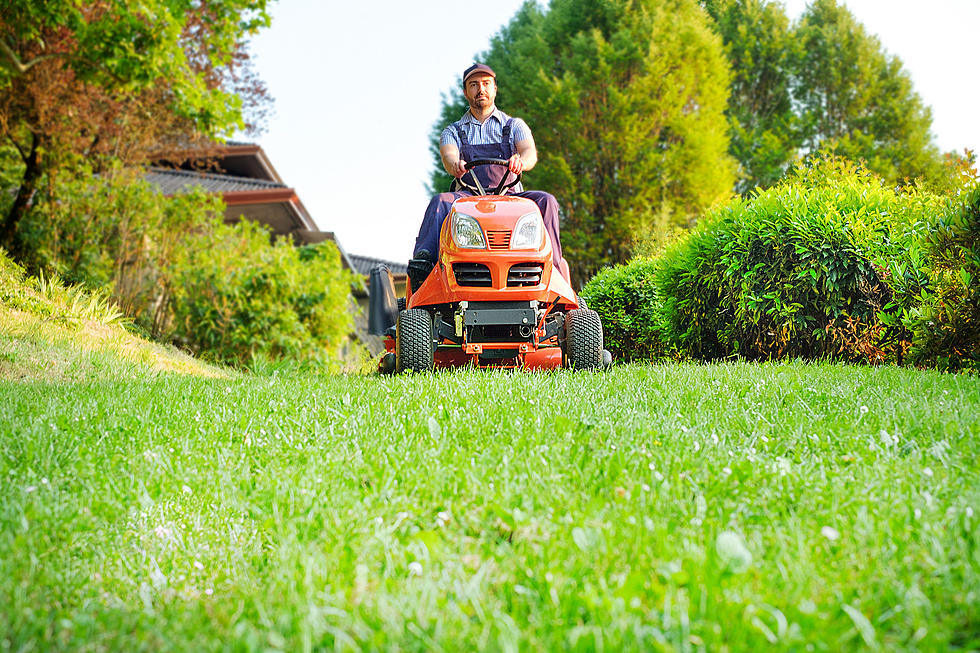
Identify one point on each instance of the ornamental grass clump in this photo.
(805, 269)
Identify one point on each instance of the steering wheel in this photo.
(501, 187)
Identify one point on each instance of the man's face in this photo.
(480, 91)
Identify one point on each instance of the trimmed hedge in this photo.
(830, 264)
(803, 269)
(946, 323)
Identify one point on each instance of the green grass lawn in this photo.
(670, 507)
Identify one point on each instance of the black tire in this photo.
(413, 341)
(583, 339)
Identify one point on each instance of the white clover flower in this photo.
(830, 533)
(645, 487)
(926, 471)
(864, 410)
(198, 565)
(186, 489)
(733, 552)
(415, 568)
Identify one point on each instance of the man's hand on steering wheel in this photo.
(460, 168)
(516, 164)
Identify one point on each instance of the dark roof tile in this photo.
(364, 264)
(171, 182)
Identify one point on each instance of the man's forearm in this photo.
(450, 157)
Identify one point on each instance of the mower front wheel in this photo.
(413, 341)
(583, 339)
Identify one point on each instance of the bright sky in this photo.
(358, 85)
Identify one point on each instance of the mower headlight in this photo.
(467, 232)
(528, 232)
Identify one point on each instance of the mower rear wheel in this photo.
(583, 339)
(413, 341)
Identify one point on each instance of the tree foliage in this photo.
(858, 100)
(111, 81)
(821, 84)
(763, 52)
(625, 99)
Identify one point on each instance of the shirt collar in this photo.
(469, 119)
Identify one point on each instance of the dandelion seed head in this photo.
(864, 410)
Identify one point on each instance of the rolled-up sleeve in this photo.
(449, 137)
(519, 131)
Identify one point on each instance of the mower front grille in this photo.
(472, 274)
(524, 274)
(498, 239)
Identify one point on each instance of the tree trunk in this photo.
(25, 194)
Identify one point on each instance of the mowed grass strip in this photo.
(669, 507)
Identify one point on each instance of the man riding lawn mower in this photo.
(498, 293)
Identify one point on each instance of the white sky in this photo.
(358, 85)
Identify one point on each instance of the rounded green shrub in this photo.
(625, 296)
(805, 269)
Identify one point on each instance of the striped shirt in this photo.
(490, 131)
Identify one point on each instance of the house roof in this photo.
(364, 265)
(172, 181)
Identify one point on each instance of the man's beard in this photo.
(475, 102)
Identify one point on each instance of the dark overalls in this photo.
(489, 176)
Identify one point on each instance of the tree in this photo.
(626, 101)
(762, 51)
(857, 100)
(115, 80)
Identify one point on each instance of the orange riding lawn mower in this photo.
(492, 299)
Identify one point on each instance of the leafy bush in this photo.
(238, 297)
(625, 296)
(804, 269)
(117, 232)
(946, 325)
